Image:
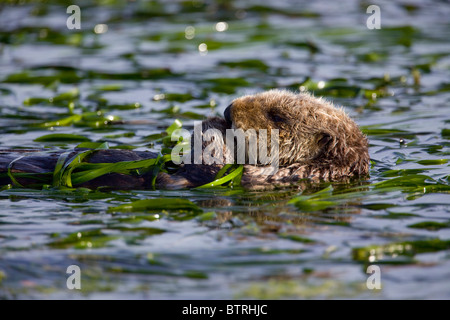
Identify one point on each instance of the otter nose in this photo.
(227, 114)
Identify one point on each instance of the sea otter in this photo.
(317, 141)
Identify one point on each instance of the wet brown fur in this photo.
(317, 141)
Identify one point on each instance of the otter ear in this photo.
(323, 139)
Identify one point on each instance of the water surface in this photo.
(161, 61)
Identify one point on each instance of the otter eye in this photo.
(324, 139)
(276, 117)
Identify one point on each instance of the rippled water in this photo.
(161, 61)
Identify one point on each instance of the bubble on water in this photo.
(221, 26)
(203, 48)
(101, 28)
(189, 32)
(160, 96)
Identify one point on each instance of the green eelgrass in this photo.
(62, 175)
(75, 171)
(157, 205)
(233, 178)
(72, 172)
(61, 137)
(10, 175)
(412, 184)
(91, 171)
(71, 169)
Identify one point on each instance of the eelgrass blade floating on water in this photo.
(61, 137)
(157, 205)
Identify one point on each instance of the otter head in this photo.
(311, 131)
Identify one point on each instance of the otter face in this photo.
(311, 131)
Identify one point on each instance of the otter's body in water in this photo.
(317, 141)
